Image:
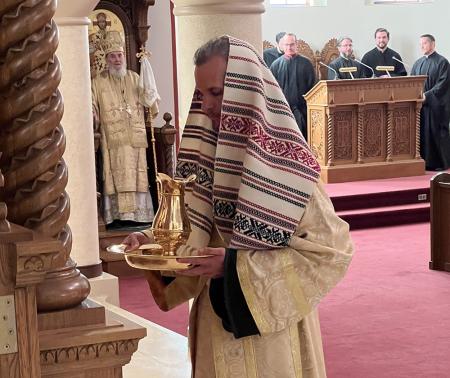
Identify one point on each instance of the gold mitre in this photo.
(113, 43)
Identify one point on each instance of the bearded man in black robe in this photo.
(435, 112)
(345, 47)
(295, 75)
(273, 53)
(382, 55)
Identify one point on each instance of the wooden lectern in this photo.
(366, 129)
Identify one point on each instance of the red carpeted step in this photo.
(386, 202)
(386, 216)
(381, 199)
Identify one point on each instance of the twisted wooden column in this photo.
(390, 133)
(33, 142)
(168, 133)
(417, 131)
(330, 139)
(4, 224)
(360, 134)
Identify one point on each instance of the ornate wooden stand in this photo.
(366, 129)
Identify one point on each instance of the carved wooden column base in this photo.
(24, 261)
(83, 342)
(63, 288)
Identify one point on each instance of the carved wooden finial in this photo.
(4, 224)
(167, 117)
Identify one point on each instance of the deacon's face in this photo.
(209, 81)
(381, 40)
(289, 44)
(427, 46)
(346, 48)
(115, 59)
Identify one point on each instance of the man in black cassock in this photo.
(345, 47)
(295, 75)
(382, 55)
(272, 54)
(435, 113)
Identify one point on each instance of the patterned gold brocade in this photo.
(282, 289)
(123, 138)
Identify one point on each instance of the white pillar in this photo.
(73, 53)
(197, 21)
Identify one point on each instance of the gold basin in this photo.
(150, 257)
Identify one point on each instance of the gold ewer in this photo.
(171, 227)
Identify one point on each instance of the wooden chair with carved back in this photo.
(329, 53)
(267, 45)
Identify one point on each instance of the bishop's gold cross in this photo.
(127, 109)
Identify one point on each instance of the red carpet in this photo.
(135, 297)
(389, 318)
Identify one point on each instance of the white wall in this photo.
(316, 25)
(406, 22)
(160, 45)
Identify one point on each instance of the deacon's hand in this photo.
(211, 267)
(136, 239)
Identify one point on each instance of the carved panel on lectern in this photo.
(317, 134)
(373, 135)
(343, 135)
(402, 131)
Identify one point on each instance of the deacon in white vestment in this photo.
(275, 245)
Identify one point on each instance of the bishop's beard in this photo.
(120, 72)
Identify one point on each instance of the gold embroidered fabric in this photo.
(282, 288)
(123, 137)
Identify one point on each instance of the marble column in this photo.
(73, 52)
(197, 21)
